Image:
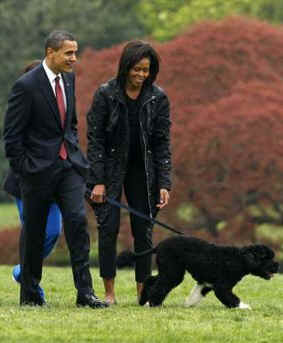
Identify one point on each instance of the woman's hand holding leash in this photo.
(98, 194)
(164, 198)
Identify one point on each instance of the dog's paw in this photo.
(244, 306)
(195, 297)
(190, 302)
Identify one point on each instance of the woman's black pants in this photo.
(135, 189)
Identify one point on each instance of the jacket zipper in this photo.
(145, 159)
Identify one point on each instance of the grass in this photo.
(60, 321)
(9, 217)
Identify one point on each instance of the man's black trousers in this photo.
(64, 185)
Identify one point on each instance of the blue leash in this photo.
(142, 215)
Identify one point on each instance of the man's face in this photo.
(63, 59)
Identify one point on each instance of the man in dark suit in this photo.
(41, 143)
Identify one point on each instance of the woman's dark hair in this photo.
(31, 65)
(132, 53)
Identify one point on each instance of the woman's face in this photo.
(139, 73)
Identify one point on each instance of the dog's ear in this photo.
(250, 258)
(261, 252)
(265, 252)
(251, 261)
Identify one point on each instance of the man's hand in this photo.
(98, 193)
(164, 198)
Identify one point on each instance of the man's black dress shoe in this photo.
(90, 300)
(34, 300)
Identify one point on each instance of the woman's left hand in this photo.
(164, 198)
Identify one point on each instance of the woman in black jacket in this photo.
(129, 146)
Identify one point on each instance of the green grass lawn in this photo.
(9, 217)
(61, 321)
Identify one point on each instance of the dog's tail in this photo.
(128, 258)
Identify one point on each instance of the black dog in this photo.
(216, 268)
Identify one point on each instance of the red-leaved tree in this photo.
(224, 80)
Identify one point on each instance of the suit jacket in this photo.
(11, 184)
(32, 127)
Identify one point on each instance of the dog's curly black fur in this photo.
(215, 268)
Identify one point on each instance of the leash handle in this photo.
(142, 215)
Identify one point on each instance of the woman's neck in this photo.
(133, 92)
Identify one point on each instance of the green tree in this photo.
(270, 10)
(25, 24)
(165, 18)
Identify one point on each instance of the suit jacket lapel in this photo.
(47, 90)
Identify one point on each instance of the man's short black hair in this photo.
(56, 38)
